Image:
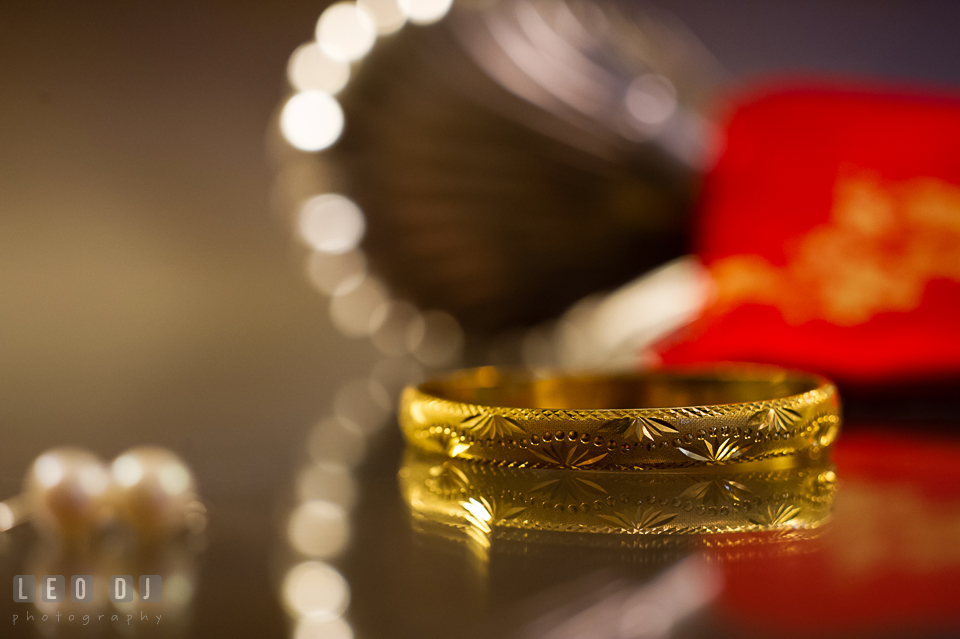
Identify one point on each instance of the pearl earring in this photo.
(153, 492)
(65, 493)
(71, 494)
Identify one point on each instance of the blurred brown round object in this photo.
(66, 493)
(511, 160)
(153, 492)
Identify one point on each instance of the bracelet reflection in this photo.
(651, 518)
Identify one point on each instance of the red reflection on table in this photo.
(889, 561)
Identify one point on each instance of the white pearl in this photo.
(152, 491)
(66, 492)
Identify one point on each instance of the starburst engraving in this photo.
(728, 450)
(490, 425)
(715, 491)
(640, 427)
(446, 478)
(569, 488)
(778, 418)
(567, 455)
(643, 519)
(448, 445)
(782, 515)
(484, 513)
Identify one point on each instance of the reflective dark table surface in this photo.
(884, 564)
(147, 296)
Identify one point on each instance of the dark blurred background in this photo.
(147, 292)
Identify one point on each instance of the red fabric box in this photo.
(830, 225)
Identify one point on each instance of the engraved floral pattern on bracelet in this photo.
(640, 427)
(567, 455)
(490, 425)
(776, 418)
(674, 503)
(643, 519)
(510, 436)
(569, 488)
(776, 517)
(447, 444)
(447, 479)
(715, 491)
(727, 450)
(484, 513)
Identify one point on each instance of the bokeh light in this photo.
(386, 14)
(356, 313)
(315, 589)
(311, 120)
(425, 11)
(400, 318)
(346, 32)
(127, 470)
(48, 470)
(318, 528)
(327, 481)
(331, 223)
(311, 69)
(333, 628)
(7, 517)
(173, 478)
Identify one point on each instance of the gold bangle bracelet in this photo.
(789, 493)
(676, 419)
